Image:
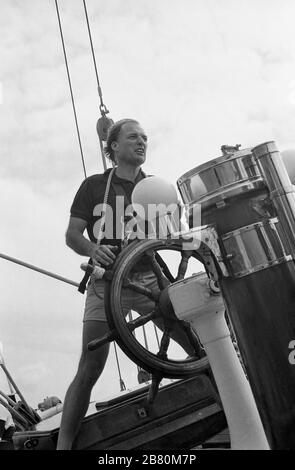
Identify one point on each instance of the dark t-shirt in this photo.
(88, 205)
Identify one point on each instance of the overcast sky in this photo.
(197, 74)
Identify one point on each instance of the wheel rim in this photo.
(153, 363)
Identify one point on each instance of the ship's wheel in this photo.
(123, 328)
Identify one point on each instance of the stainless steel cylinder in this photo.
(280, 187)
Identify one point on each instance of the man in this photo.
(126, 147)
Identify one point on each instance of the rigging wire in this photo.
(157, 336)
(70, 85)
(103, 123)
(102, 106)
(122, 384)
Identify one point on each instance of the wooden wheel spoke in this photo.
(182, 268)
(162, 354)
(162, 280)
(165, 268)
(137, 287)
(142, 320)
(199, 351)
(107, 338)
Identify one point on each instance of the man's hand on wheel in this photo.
(103, 254)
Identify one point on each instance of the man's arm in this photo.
(75, 238)
(102, 254)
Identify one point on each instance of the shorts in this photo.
(131, 300)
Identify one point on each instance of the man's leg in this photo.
(77, 397)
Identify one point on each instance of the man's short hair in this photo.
(113, 135)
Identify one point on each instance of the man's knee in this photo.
(92, 364)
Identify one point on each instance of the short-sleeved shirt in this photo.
(88, 202)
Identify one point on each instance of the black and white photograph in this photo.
(147, 236)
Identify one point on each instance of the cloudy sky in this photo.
(197, 74)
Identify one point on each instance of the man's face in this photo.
(131, 144)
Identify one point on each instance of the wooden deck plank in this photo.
(220, 440)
